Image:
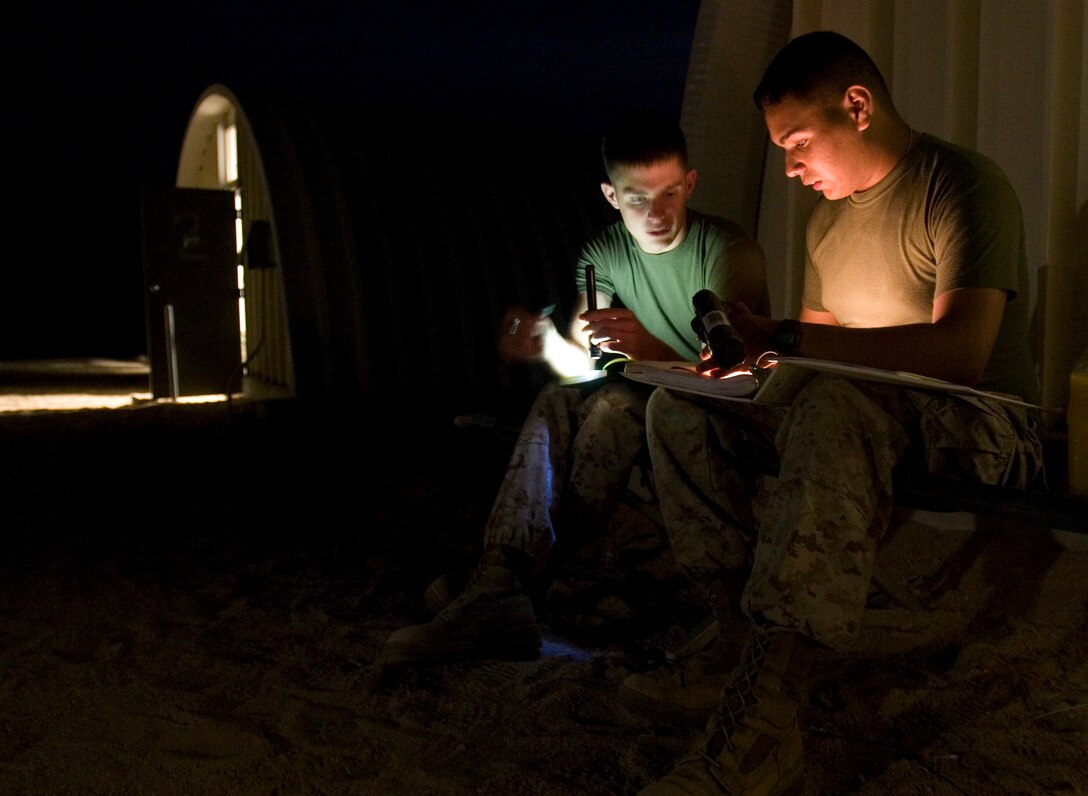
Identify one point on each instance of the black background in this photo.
(100, 96)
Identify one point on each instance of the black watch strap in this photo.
(787, 337)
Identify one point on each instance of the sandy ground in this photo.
(192, 601)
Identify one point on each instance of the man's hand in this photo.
(755, 330)
(532, 337)
(954, 346)
(617, 331)
(522, 333)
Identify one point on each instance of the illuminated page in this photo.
(784, 376)
(740, 383)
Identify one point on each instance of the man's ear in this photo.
(690, 180)
(858, 101)
(610, 194)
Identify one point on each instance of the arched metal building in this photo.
(381, 251)
(397, 241)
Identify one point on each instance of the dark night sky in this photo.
(101, 96)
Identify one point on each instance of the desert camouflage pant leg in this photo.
(823, 516)
(828, 507)
(576, 447)
(709, 458)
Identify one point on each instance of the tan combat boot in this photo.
(753, 745)
(687, 690)
(492, 617)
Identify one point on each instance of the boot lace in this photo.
(737, 698)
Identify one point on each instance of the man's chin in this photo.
(831, 194)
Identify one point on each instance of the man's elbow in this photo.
(967, 374)
(966, 364)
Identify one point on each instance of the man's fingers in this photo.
(611, 328)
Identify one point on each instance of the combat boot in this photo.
(492, 617)
(686, 690)
(753, 745)
(444, 589)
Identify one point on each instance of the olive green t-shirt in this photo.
(716, 254)
(944, 218)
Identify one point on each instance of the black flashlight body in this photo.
(726, 346)
(591, 300)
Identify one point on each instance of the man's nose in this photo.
(793, 166)
(658, 208)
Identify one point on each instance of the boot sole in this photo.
(670, 715)
(521, 644)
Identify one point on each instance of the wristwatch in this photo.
(786, 337)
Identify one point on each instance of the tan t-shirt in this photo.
(944, 218)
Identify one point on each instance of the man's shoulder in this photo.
(957, 176)
(610, 236)
(716, 226)
(946, 158)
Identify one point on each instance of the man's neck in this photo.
(889, 150)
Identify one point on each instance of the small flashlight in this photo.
(591, 298)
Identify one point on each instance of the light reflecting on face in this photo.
(652, 201)
(820, 146)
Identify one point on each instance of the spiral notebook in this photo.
(780, 380)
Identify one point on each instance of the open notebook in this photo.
(784, 376)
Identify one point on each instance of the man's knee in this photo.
(663, 410)
(620, 400)
(830, 394)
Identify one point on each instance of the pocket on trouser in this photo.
(975, 439)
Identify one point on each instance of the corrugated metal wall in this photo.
(402, 239)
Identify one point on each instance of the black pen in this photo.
(591, 299)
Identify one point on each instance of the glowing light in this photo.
(71, 402)
(743, 372)
(63, 402)
(557, 648)
(66, 385)
(227, 144)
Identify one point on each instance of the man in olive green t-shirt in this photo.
(576, 449)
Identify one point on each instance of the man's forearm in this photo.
(928, 349)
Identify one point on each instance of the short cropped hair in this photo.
(641, 138)
(814, 64)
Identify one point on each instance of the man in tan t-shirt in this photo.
(915, 263)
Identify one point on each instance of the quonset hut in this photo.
(394, 241)
(377, 252)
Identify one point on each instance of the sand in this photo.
(193, 600)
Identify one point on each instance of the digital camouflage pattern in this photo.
(809, 534)
(570, 465)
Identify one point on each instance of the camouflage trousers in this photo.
(571, 464)
(800, 497)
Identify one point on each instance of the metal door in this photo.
(191, 291)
